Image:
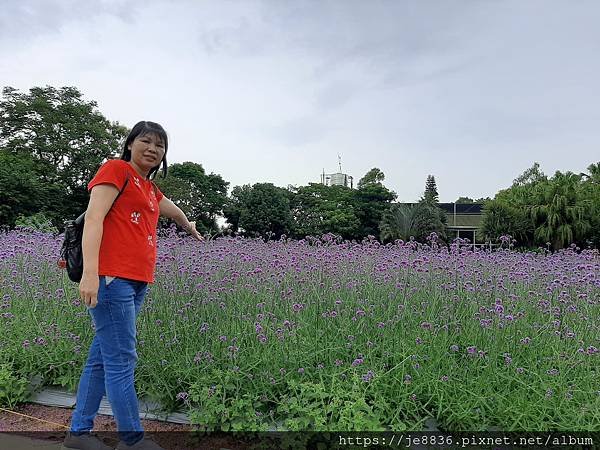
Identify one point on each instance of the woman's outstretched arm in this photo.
(170, 210)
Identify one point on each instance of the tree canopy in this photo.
(59, 139)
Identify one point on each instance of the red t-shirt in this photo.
(128, 247)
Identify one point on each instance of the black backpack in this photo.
(72, 252)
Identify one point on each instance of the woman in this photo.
(119, 255)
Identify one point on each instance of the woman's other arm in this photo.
(170, 210)
(101, 200)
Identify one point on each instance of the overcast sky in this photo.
(470, 91)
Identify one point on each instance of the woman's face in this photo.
(147, 151)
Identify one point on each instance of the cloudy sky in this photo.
(470, 91)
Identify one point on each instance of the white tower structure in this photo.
(337, 179)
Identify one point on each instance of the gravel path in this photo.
(49, 423)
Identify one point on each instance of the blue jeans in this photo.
(111, 360)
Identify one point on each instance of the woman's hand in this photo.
(88, 289)
(191, 229)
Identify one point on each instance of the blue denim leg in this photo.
(90, 391)
(114, 344)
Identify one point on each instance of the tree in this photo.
(400, 221)
(66, 137)
(430, 217)
(470, 201)
(501, 219)
(261, 210)
(588, 195)
(21, 191)
(464, 200)
(371, 200)
(201, 197)
(531, 176)
(232, 210)
(516, 201)
(318, 209)
(373, 176)
(431, 194)
(558, 217)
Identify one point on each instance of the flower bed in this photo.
(326, 335)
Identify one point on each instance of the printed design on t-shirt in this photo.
(151, 204)
(136, 180)
(135, 217)
(150, 241)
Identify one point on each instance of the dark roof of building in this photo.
(461, 208)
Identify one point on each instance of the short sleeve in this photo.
(111, 172)
(159, 194)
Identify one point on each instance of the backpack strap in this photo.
(123, 188)
(79, 221)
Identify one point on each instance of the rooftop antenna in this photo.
(340, 162)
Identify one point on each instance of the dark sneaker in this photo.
(144, 444)
(87, 441)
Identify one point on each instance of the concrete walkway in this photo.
(17, 442)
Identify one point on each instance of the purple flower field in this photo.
(326, 335)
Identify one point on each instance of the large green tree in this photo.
(22, 193)
(65, 136)
(589, 196)
(509, 212)
(501, 218)
(200, 196)
(558, 217)
(259, 210)
(318, 209)
(371, 200)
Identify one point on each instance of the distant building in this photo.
(337, 179)
(463, 219)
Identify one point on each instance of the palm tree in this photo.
(557, 216)
(400, 221)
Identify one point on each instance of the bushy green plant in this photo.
(13, 388)
(36, 222)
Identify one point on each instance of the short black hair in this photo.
(141, 129)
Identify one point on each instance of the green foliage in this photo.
(13, 388)
(531, 176)
(430, 219)
(37, 222)
(430, 195)
(373, 176)
(400, 222)
(339, 407)
(232, 210)
(372, 199)
(537, 210)
(318, 209)
(464, 200)
(558, 217)
(509, 213)
(62, 139)
(588, 194)
(218, 404)
(201, 197)
(501, 219)
(260, 210)
(22, 191)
